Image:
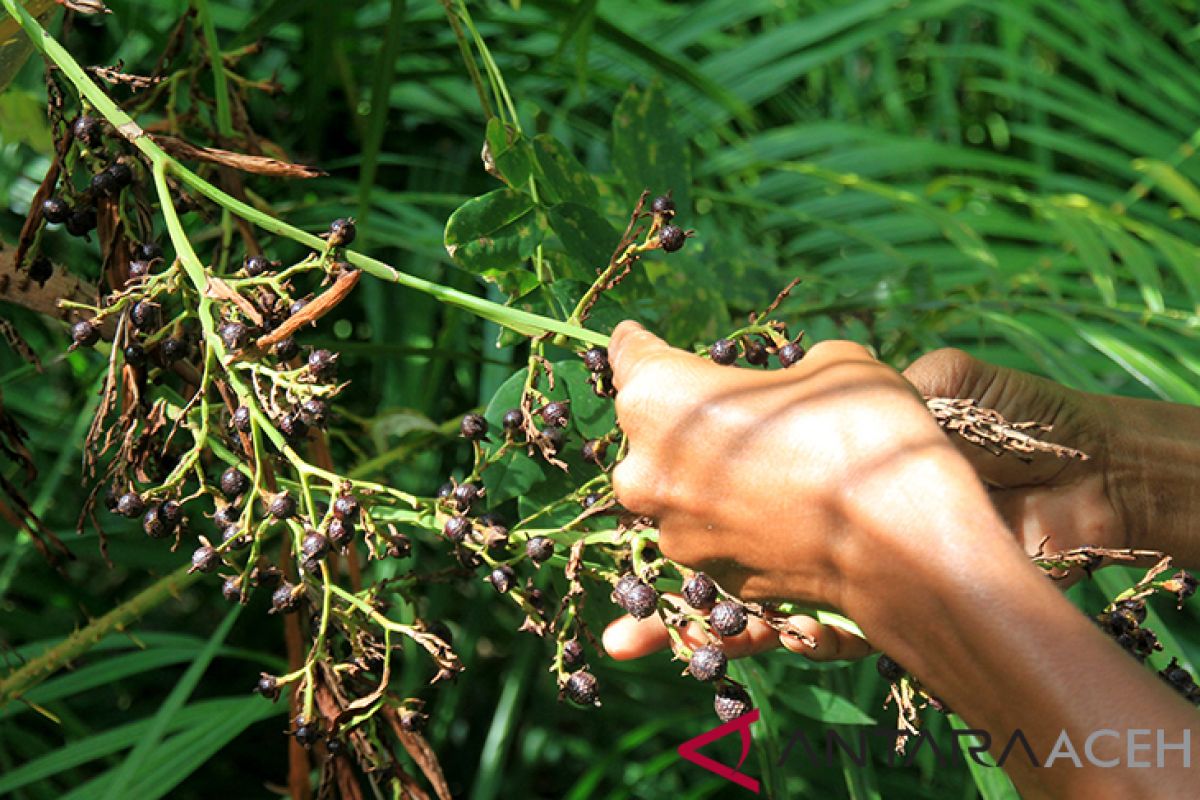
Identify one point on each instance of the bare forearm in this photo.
(1154, 475)
(999, 643)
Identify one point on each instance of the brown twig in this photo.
(990, 430)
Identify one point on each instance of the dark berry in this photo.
(581, 688)
(789, 354)
(234, 536)
(639, 600)
(81, 221)
(40, 270)
(322, 364)
(234, 483)
(594, 450)
(1122, 619)
(700, 592)
(130, 505)
(663, 204)
(503, 578)
(148, 251)
(513, 420)
(293, 427)
(104, 183)
(231, 590)
(572, 653)
(282, 507)
(888, 668)
(342, 232)
(138, 269)
(153, 523)
(241, 419)
(346, 507)
(256, 265)
(121, 174)
(340, 532)
(315, 412)
(171, 513)
(296, 307)
(445, 491)
(553, 439)
(284, 599)
(623, 585)
(756, 353)
(596, 359)
(465, 494)
(173, 349)
(55, 209)
(556, 414)
(227, 515)
(135, 355)
(399, 546)
(728, 618)
(1136, 607)
(539, 549)
(708, 663)
(205, 559)
(144, 315)
(306, 734)
(731, 702)
(286, 349)
(315, 545)
(671, 238)
(590, 500)
(723, 352)
(233, 334)
(456, 529)
(267, 686)
(85, 333)
(87, 130)
(473, 427)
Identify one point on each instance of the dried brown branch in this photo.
(314, 310)
(990, 430)
(258, 165)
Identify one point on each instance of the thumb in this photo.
(630, 346)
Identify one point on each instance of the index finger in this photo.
(630, 345)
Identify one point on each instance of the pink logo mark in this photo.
(742, 724)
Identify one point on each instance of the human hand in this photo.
(817, 484)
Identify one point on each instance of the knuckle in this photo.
(941, 372)
(839, 349)
(632, 486)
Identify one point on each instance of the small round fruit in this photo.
(104, 183)
(171, 513)
(700, 592)
(663, 204)
(228, 514)
(322, 364)
(284, 599)
(86, 129)
(465, 494)
(888, 668)
(231, 590)
(315, 545)
(234, 483)
(135, 355)
(267, 686)
(640, 600)
(708, 663)
(236, 539)
(234, 334)
(513, 420)
(399, 546)
(173, 349)
(671, 238)
(340, 532)
(85, 333)
(572, 654)
(41, 270)
(342, 232)
(457, 528)
(144, 315)
(241, 419)
(306, 734)
(594, 450)
(756, 353)
(346, 507)
(723, 352)
(138, 269)
(539, 549)
(121, 174)
(556, 414)
(728, 618)
(581, 688)
(503, 578)
(130, 505)
(148, 251)
(255, 265)
(283, 506)
(596, 359)
(205, 559)
(789, 354)
(445, 491)
(473, 427)
(413, 721)
(315, 412)
(55, 209)
(81, 221)
(293, 427)
(731, 702)
(153, 523)
(286, 349)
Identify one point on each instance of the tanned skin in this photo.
(829, 484)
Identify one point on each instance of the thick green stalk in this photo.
(220, 88)
(516, 319)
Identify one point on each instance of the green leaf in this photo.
(822, 704)
(560, 176)
(591, 415)
(990, 780)
(511, 154)
(515, 473)
(586, 236)
(495, 231)
(650, 154)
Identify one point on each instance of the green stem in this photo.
(220, 88)
(521, 321)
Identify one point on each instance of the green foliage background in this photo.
(1013, 178)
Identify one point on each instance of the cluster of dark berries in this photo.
(670, 236)
(599, 371)
(889, 669)
(756, 352)
(1181, 681)
(1124, 623)
(112, 176)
